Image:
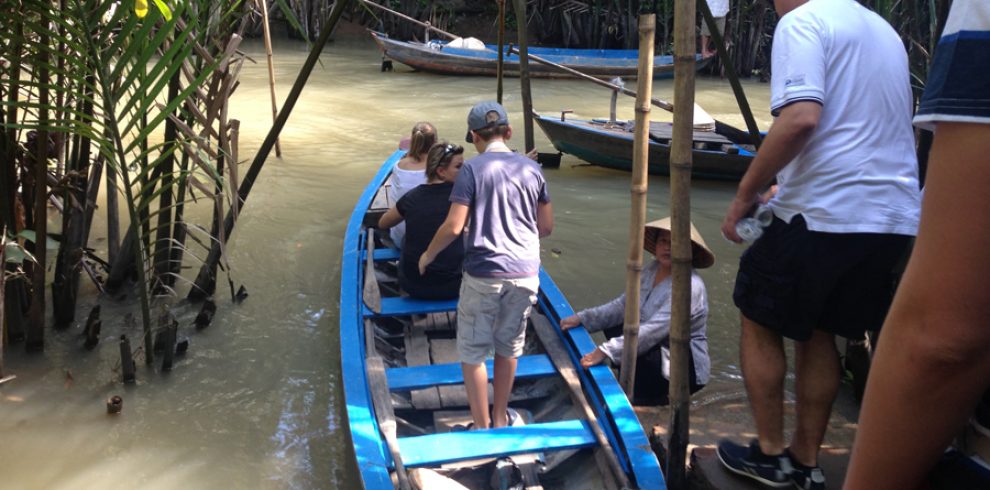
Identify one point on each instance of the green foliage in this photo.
(120, 63)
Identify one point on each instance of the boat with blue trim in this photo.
(405, 396)
(610, 144)
(438, 57)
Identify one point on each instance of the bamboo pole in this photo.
(410, 19)
(733, 134)
(637, 217)
(271, 68)
(501, 55)
(680, 204)
(3, 277)
(519, 6)
(730, 73)
(206, 272)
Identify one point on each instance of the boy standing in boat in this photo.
(504, 197)
(842, 149)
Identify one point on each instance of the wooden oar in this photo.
(372, 295)
(410, 19)
(375, 367)
(734, 134)
(385, 415)
(558, 355)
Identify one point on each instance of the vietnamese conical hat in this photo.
(702, 255)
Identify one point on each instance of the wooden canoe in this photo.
(436, 57)
(421, 390)
(611, 145)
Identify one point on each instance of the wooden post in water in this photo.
(527, 98)
(637, 217)
(501, 55)
(127, 367)
(263, 4)
(680, 206)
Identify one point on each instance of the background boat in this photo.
(436, 57)
(404, 390)
(599, 143)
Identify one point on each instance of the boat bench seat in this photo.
(405, 306)
(449, 447)
(419, 377)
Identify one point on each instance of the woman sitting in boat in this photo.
(411, 170)
(423, 210)
(654, 330)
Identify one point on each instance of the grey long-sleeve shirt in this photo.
(654, 328)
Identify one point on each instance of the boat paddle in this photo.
(372, 295)
(562, 361)
(375, 367)
(731, 133)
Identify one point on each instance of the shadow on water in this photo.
(257, 401)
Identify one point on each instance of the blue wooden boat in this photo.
(401, 403)
(605, 144)
(436, 57)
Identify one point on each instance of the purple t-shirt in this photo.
(503, 191)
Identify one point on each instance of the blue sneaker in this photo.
(806, 477)
(772, 471)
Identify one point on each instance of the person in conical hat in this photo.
(653, 361)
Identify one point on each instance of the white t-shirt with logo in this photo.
(858, 173)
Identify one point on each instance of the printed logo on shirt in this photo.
(795, 81)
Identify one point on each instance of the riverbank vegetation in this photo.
(130, 99)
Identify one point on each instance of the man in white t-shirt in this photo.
(846, 207)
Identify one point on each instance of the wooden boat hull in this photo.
(714, 157)
(428, 450)
(602, 63)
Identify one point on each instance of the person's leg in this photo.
(476, 385)
(817, 372)
(503, 378)
(764, 365)
(517, 298)
(931, 363)
(477, 309)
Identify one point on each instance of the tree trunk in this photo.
(36, 330)
(74, 226)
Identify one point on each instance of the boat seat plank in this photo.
(419, 377)
(404, 306)
(449, 447)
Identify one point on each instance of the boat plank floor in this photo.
(444, 351)
(418, 355)
(449, 447)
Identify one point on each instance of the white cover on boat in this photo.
(467, 43)
(702, 120)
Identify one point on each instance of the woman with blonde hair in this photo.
(651, 381)
(411, 169)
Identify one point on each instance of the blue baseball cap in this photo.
(484, 115)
